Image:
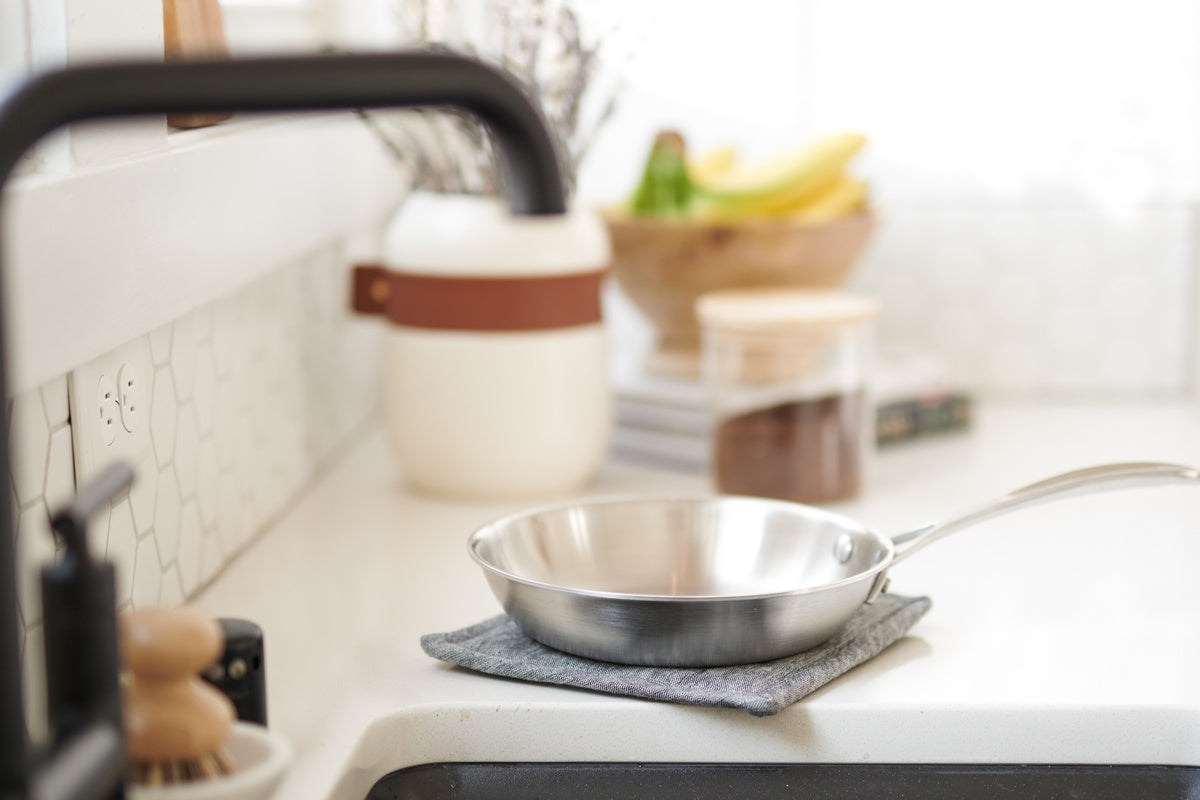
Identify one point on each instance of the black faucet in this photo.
(86, 755)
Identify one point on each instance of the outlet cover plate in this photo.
(90, 435)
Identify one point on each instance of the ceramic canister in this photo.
(497, 366)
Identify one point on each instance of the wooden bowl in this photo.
(663, 266)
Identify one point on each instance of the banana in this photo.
(778, 184)
(809, 185)
(845, 196)
(779, 204)
(711, 165)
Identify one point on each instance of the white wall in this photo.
(719, 74)
(1034, 164)
(14, 53)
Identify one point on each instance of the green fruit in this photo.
(666, 187)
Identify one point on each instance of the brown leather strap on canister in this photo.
(478, 304)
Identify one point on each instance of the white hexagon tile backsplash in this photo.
(225, 415)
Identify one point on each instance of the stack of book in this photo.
(665, 421)
(659, 420)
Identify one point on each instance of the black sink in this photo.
(633, 781)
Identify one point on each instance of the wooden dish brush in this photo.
(176, 725)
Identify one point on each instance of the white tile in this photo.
(264, 485)
(229, 512)
(160, 345)
(272, 488)
(212, 559)
(164, 407)
(205, 389)
(187, 450)
(166, 515)
(171, 592)
(208, 483)
(183, 356)
(243, 455)
(97, 533)
(226, 333)
(55, 401)
(35, 549)
(147, 575)
(228, 434)
(122, 549)
(143, 495)
(190, 548)
(30, 446)
(260, 510)
(60, 470)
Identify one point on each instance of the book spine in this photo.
(909, 419)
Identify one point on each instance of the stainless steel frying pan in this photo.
(705, 581)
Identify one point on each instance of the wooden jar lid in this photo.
(768, 336)
(780, 310)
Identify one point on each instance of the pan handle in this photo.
(1076, 482)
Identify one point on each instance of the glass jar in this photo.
(788, 375)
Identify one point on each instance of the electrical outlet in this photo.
(129, 396)
(110, 407)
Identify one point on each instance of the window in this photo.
(272, 26)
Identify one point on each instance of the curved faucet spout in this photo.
(531, 174)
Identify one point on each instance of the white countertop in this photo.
(1068, 632)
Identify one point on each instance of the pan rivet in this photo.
(843, 548)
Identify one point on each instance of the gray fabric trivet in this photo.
(496, 646)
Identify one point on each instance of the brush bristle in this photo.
(165, 773)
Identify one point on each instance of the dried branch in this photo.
(541, 42)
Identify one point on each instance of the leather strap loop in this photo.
(477, 303)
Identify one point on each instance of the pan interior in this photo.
(724, 546)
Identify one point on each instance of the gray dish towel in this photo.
(497, 647)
